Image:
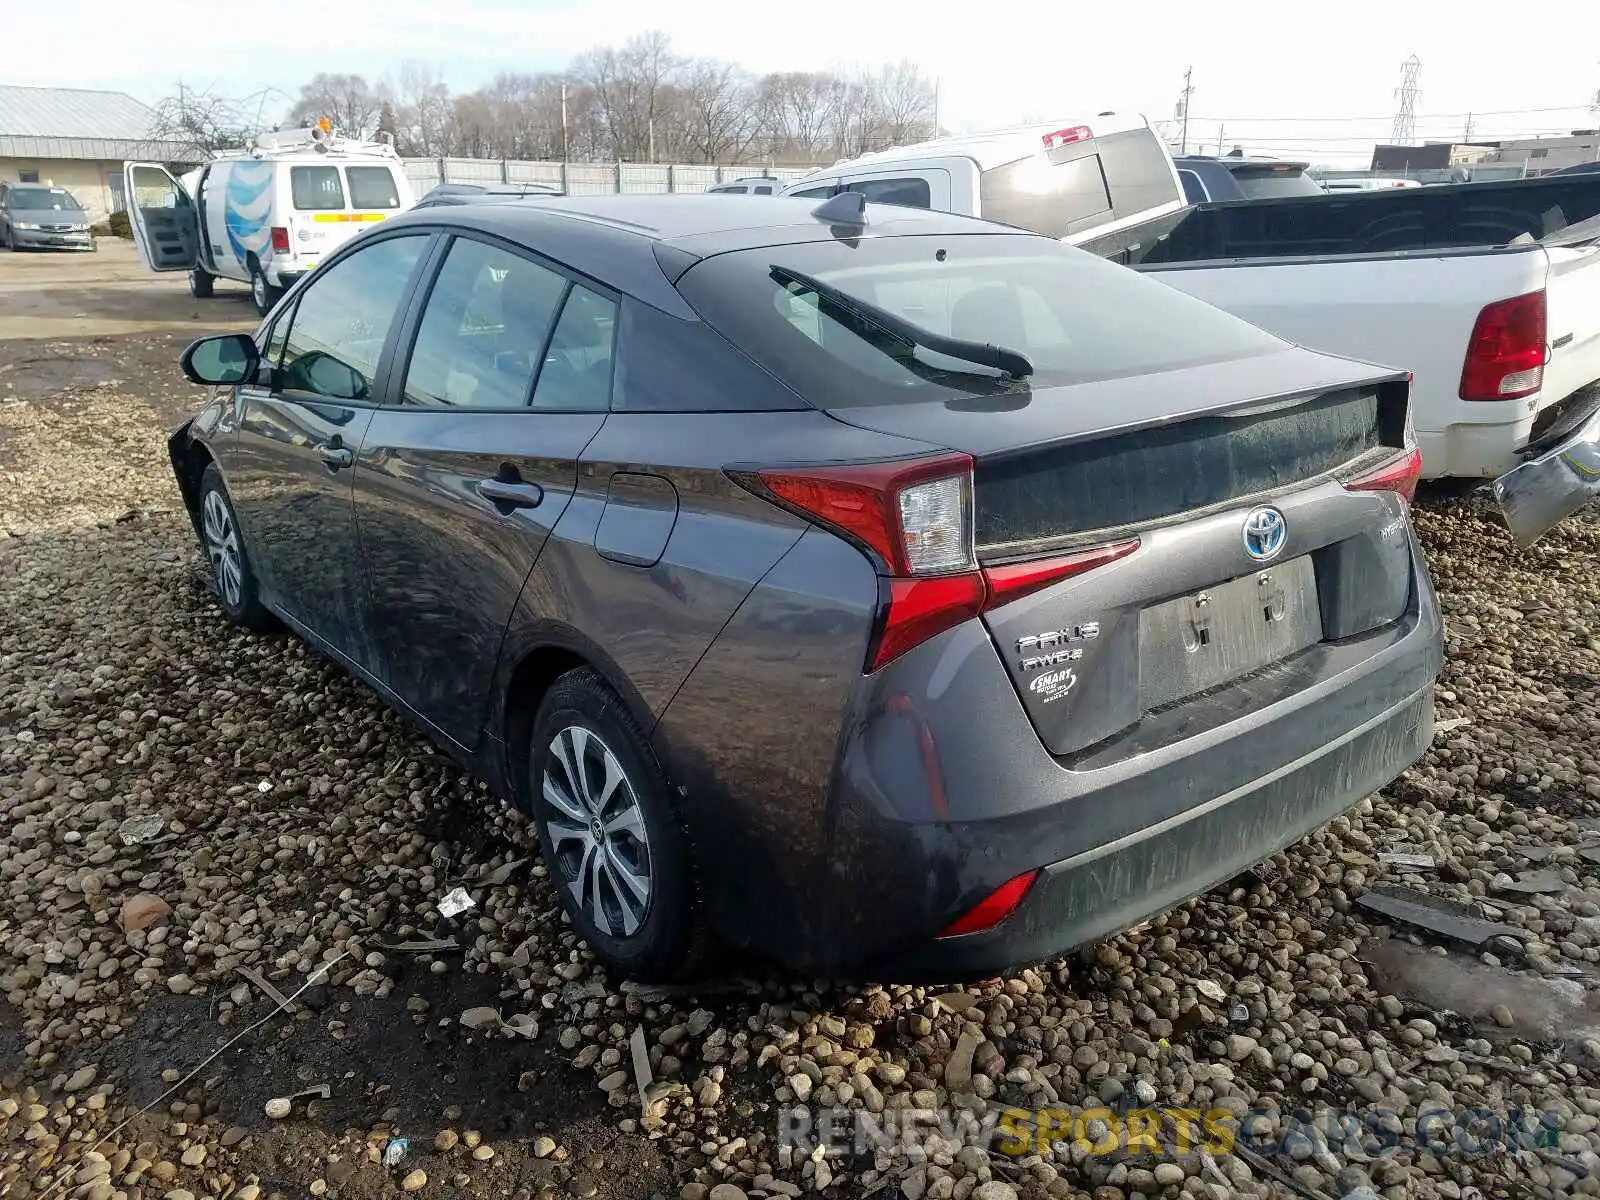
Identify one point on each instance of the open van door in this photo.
(162, 217)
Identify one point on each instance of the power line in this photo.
(1477, 112)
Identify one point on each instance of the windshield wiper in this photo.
(1012, 362)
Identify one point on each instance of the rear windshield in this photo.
(1265, 183)
(41, 198)
(1076, 316)
(316, 188)
(372, 187)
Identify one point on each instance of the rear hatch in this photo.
(1192, 596)
(1157, 438)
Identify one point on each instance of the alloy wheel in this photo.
(597, 831)
(222, 547)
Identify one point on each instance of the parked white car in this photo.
(267, 215)
(1106, 184)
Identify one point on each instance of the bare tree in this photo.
(631, 87)
(903, 98)
(349, 101)
(423, 110)
(199, 121)
(794, 113)
(717, 111)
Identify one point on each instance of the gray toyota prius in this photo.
(873, 589)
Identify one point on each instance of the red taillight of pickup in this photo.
(914, 518)
(1506, 356)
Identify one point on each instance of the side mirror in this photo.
(225, 359)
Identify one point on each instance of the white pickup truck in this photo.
(1488, 293)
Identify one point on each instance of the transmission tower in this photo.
(1405, 118)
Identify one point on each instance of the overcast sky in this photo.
(1282, 79)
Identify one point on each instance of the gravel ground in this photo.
(306, 836)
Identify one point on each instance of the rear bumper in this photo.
(1553, 484)
(1121, 832)
(1094, 894)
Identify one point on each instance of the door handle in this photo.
(511, 494)
(336, 456)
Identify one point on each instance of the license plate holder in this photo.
(1203, 640)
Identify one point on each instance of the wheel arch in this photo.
(190, 457)
(542, 656)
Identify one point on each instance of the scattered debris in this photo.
(1446, 919)
(956, 1002)
(142, 911)
(264, 786)
(500, 874)
(1533, 883)
(1239, 1015)
(652, 993)
(1440, 727)
(394, 1153)
(136, 831)
(642, 1075)
(476, 1018)
(1211, 990)
(1397, 858)
(272, 993)
(278, 1107)
(455, 902)
(420, 946)
(524, 1025)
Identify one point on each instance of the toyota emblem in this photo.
(1265, 531)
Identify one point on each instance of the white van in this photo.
(267, 215)
(1098, 184)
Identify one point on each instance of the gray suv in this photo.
(873, 588)
(37, 217)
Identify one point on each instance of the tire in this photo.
(582, 722)
(232, 579)
(262, 293)
(201, 283)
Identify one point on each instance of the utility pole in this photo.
(1221, 129)
(1405, 117)
(1466, 132)
(566, 141)
(936, 106)
(1183, 110)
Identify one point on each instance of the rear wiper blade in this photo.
(1012, 362)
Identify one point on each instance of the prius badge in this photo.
(1265, 532)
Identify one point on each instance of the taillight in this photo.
(993, 908)
(1065, 137)
(914, 519)
(1505, 358)
(1398, 475)
(280, 239)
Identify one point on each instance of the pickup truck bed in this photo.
(1405, 277)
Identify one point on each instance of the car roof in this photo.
(988, 150)
(1195, 160)
(624, 242)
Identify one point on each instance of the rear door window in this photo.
(372, 187)
(911, 191)
(1054, 199)
(816, 193)
(1269, 182)
(1193, 190)
(316, 189)
(1138, 172)
(576, 375)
